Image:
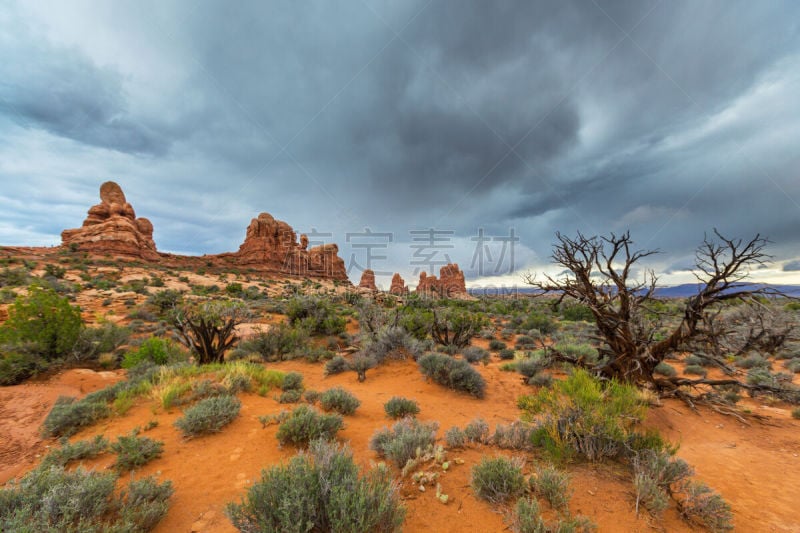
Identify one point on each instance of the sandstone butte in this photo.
(368, 280)
(398, 286)
(449, 284)
(270, 246)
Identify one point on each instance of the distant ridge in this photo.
(675, 291)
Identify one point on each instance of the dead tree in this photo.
(599, 272)
(208, 329)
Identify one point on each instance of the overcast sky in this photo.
(511, 120)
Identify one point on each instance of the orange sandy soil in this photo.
(756, 468)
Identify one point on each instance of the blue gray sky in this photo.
(492, 124)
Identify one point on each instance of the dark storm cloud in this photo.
(63, 92)
(792, 266)
(665, 118)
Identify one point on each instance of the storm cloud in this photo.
(665, 118)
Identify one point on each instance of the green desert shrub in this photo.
(665, 369)
(292, 381)
(526, 518)
(52, 499)
(393, 342)
(576, 312)
(452, 373)
(44, 321)
(398, 407)
(584, 416)
(474, 354)
(477, 431)
(417, 322)
(105, 338)
(75, 451)
(320, 491)
(539, 321)
(165, 300)
(337, 365)
(17, 367)
(69, 415)
(792, 365)
(540, 380)
(209, 415)
(497, 345)
(763, 377)
(455, 327)
(134, 451)
(156, 351)
(305, 424)
(530, 366)
(361, 363)
(339, 400)
(455, 437)
(656, 474)
(316, 315)
(506, 354)
(704, 506)
(753, 361)
(290, 396)
(552, 484)
(695, 370)
(514, 436)
(278, 343)
(403, 440)
(497, 480)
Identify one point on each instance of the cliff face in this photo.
(270, 245)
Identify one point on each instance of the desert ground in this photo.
(752, 460)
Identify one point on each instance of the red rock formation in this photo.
(398, 286)
(368, 280)
(111, 227)
(269, 246)
(272, 245)
(449, 284)
(323, 261)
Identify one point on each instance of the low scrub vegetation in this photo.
(69, 415)
(703, 506)
(155, 351)
(497, 480)
(320, 491)
(316, 315)
(280, 342)
(134, 451)
(305, 424)
(526, 518)
(339, 400)
(398, 407)
(553, 485)
(453, 373)
(582, 416)
(405, 438)
(75, 451)
(52, 499)
(209, 415)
